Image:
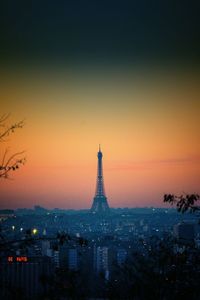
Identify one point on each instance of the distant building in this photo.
(39, 210)
(45, 245)
(22, 274)
(184, 232)
(64, 256)
(73, 259)
(121, 256)
(56, 258)
(101, 260)
(5, 214)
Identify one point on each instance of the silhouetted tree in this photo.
(9, 162)
(161, 274)
(183, 203)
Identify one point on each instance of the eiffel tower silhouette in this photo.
(100, 204)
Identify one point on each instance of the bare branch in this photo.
(12, 157)
(183, 203)
(11, 165)
(11, 129)
(4, 157)
(3, 118)
(12, 162)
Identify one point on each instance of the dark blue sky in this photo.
(91, 29)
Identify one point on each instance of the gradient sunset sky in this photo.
(144, 112)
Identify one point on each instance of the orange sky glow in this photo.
(147, 123)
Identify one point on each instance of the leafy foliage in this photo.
(183, 202)
(14, 161)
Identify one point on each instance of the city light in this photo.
(34, 231)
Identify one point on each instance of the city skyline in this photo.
(96, 92)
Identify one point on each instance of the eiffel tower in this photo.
(100, 204)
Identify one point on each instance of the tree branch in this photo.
(10, 163)
(10, 129)
(3, 118)
(184, 203)
(5, 168)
